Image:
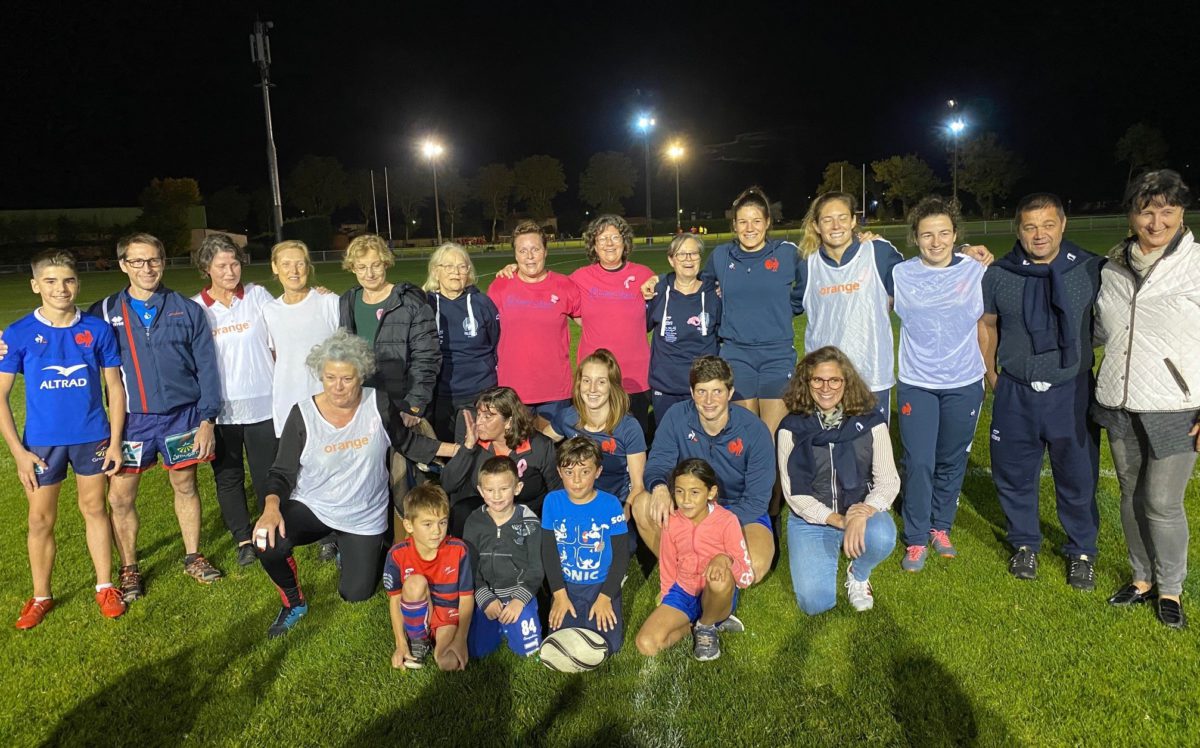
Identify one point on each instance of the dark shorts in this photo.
(689, 604)
(583, 597)
(85, 459)
(171, 434)
(550, 408)
(760, 371)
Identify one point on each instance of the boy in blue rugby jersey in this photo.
(63, 355)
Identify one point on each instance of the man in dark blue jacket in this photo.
(168, 363)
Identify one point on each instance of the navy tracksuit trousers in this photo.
(936, 430)
(1025, 425)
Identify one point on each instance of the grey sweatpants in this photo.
(1152, 514)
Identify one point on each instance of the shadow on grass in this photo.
(159, 703)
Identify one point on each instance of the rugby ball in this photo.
(573, 650)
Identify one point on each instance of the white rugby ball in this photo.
(573, 650)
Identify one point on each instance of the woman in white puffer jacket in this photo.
(1148, 318)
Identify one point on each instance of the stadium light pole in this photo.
(260, 54)
(956, 127)
(675, 152)
(645, 123)
(432, 150)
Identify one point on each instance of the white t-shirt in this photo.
(939, 310)
(243, 353)
(294, 330)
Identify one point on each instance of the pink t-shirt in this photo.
(687, 548)
(614, 317)
(534, 355)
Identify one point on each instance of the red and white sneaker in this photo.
(33, 612)
(112, 604)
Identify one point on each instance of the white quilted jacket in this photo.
(1151, 334)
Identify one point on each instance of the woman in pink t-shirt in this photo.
(534, 354)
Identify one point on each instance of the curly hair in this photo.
(857, 397)
(618, 400)
(708, 368)
(928, 207)
(812, 239)
(504, 400)
(361, 245)
(598, 224)
(344, 347)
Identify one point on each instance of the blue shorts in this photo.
(689, 604)
(86, 459)
(583, 597)
(524, 635)
(764, 520)
(662, 401)
(550, 408)
(171, 434)
(760, 371)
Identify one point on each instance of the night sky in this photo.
(98, 99)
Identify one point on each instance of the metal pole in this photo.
(841, 179)
(437, 213)
(649, 220)
(864, 191)
(956, 168)
(678, 209)
(374, 202)
(260, 53)
(387, 196)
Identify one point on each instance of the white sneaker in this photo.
(858, 592)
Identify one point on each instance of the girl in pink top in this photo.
(534, 354)
(702, 564)
(613, 311)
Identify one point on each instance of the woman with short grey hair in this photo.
(1148, 318)
(331, 476)
(246, 366)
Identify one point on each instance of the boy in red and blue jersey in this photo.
(431, 592)
(63, 356)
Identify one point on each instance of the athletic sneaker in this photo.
(858, 592)
(327, 551)
(131, 584)
(940, 540)
(287, 618)
(246, 554)
(32, 612)
(1081, 573)
(706, 645)
(914, 558)
(418, 650)
(1023, 564)
(110, 602)
(731, 625)
(201, 570)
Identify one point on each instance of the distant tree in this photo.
(494, 187)
(362, 197)
(409, 188)
(842, 176)
(607, 180)
(454, 192)
(228, 208)
(989, 171)
(1143, 147)
(165, 204)
(262, 209)
(318, 185)
(538, 180)
(905, 179)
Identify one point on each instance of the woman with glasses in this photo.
(939, 299)
(838, 477)
(684, 319)
(468, 326)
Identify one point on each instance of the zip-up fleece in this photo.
(468, 329)
(507, 558)
(170, 364)
(761, 290)
(407, 353)
(683, 327)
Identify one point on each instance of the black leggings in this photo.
(361, 555)
(229, 472)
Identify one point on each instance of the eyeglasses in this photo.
(450, 266)
(610, 239)
(374, 267)
(139, 263)
(687, 255)
(833, 383)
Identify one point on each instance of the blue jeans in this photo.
(813, 552)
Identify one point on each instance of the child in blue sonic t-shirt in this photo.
(63, 355)
(586, 551)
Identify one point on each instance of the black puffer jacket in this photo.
(407, 352)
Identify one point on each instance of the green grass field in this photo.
(961, 654)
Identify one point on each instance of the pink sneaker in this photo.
(940, 540)
(914, 558)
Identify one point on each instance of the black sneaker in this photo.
(1081, 573)
(1023, 564)
(246, 554)
(418, 650)
(327, 552)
